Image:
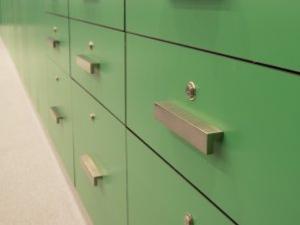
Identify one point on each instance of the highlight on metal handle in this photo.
(53, 43)
(87, 64)
(90, 169)
(195, 131)
(55, 114)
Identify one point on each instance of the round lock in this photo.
(190, 90)
(54, 29)
(188, 219)
(92, 116)
(91, 45)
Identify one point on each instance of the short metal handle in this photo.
(53, 43)
(190, 128)
(55, 114)
(87, 64)
(90, 169)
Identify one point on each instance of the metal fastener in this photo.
(55, 29)
(92, 116)
(91, 45)
(57, 78)
(190, 90)
(188, 219)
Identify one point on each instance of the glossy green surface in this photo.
(20, 32)
(105, 12)
(157, 195)
(265, 31)
(60, 54)
(57, 6)
(59, 95)
(42, 82)
(253, 175)
(103, 139)
(109, 85)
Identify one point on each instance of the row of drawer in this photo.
(91, 48)
(243, 100)
(100, 145)
(249, 30)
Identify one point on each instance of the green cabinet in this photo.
(104, 12)
(254, 167)
(134, 95)
(43, 85)
(98, 135)
(104, 47)
(59, 123)
(157, 195)
(57, 40)
(59, 7)
(263, 31)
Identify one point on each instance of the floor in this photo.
(33, 188)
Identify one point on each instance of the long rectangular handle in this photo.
(90, 169)
(55, 114)
(195, 131)
(87, 64)
(53, 43)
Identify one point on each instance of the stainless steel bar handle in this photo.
(90, 169)
(55, 114)
(53, 43)
(195, 131)
(87, 64)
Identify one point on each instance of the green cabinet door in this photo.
(253, 174)
(105, 47)
(99, 137)
(104, 12)
(158, 195)
(57, 40)
(60, 114)
(57, 6)
(264, 31)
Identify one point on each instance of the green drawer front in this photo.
(57, 30)
(107, 84)
(104, 12)
(255, 167)
(157, 195)
(59, 101)
(57, 6)
(102, 138)
(248, 29)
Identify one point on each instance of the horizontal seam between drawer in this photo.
(266, 65)
(290, 71)
(57, 14)
(87, 22)
(96, 24)
(100, 103)
(183, 177)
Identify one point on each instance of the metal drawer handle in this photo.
(87, 64)
(53, 43)
(55, 114)
(90, 169)
(192, 129)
